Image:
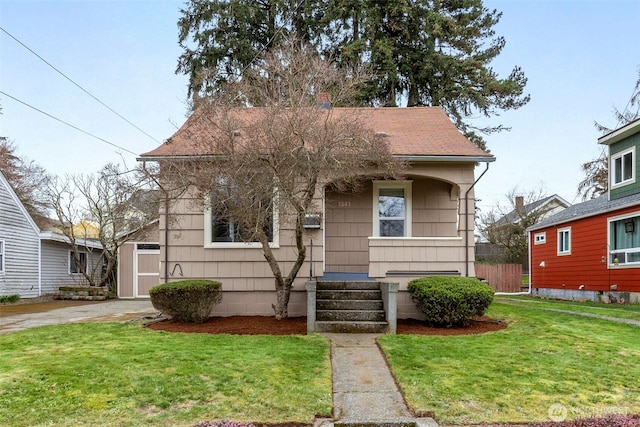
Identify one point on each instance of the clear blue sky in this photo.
(581, 58)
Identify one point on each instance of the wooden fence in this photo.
(501, 277)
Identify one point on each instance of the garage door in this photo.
(146, 271)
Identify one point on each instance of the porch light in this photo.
(629, 226)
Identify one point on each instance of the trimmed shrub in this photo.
(450, 301)
(187, 300)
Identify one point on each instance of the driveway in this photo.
(18, 317)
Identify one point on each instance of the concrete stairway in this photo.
(350, 307)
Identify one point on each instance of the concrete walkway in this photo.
(364, 391)
(99, 311)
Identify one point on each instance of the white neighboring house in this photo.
(35, 263)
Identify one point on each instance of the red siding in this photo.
(585, 265)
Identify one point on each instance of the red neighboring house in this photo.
(591, 250)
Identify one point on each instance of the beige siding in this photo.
(417, 254)
(125, 270)
(435, 209)
(247, 280)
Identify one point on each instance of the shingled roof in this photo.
(410, 132)
(587, 209)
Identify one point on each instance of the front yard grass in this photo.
(622, 311)
(588, 365)
(125, 375)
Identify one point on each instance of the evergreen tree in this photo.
(422, 52)
(221, 38)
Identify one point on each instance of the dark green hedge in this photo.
(450, 301)
(187, 300)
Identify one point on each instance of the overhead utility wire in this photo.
(67, 123)
(77, 85)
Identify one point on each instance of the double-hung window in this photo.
(80, 266)
(624, 240)
(2, 256)
(623, 166)
(564, 241)
(392, 208)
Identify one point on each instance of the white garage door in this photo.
(146, 270)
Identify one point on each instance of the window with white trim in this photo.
(392, 208)
(623, 166)
(1, 256)
(624, 240)
(564, 241)
(223, 231)
(80, 266)
(540, 238)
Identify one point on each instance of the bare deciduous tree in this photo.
(596, 180)
(26, 178)
(265, 167)
(110, 207)
(506, 225)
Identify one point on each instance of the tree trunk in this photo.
(281, 306)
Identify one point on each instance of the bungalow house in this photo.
(353, 235)
(33, 262)
(591, 250)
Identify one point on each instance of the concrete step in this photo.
(351, 315)
(347, 285)
(349, 295)
(349, 304)
(352, 327)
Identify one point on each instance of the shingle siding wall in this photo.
(247, 281)
(21, 249)
(633, 188)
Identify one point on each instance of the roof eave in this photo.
(620, 133)
(408, 158)
(471, 159)
(82, 243)
(582, 216)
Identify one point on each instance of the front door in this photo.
(348, 225)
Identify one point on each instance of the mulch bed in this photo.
(263, 325)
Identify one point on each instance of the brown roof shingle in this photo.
(417, 131)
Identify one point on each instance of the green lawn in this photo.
(125, 375)
(623, 311)
(543, 358)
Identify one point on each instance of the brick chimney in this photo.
(519, 204)
(323, 100)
